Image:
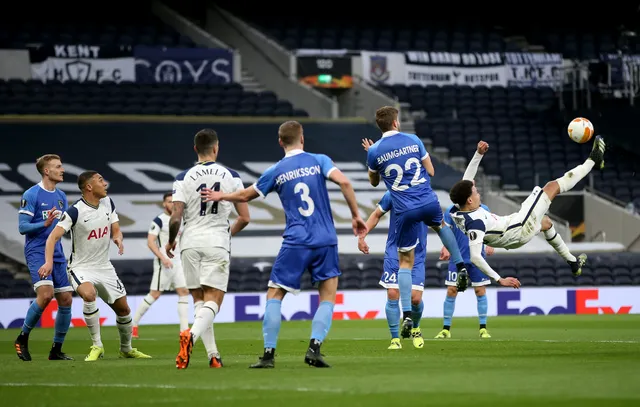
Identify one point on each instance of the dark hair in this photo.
(289, 132)
(460, 192)
(385, 117)
(166, 195)
(84, 178)
(44, 161)
(204, 140)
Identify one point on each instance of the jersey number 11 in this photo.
(203, 204)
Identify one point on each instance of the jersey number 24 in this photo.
(203, 205)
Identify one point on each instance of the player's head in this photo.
(167, 202)
(465, 194)
(92, 183)
(387, 118)
(50, 167)
(290, 135)
(205, 143)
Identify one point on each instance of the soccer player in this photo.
(516, 230)
(310, 240)
(40, 208)
(205, 241)
(479, 280)
(389, 279)
(167, 273)
(93, 223)
(404, 165)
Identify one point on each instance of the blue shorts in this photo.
(292, 262)
(58, 277)
(389, 277)
(408, 224)
(477, 277)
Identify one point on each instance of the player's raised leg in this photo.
(449, 241)
(555, 240)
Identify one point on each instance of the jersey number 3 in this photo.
(303, 189)
(203, 205)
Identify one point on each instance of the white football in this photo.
(580, 130)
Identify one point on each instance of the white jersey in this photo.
(485, 226)
(90, 228)
(160, 229)
(206, 224)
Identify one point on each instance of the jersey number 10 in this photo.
(203, 204)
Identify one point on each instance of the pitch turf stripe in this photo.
(168, 386)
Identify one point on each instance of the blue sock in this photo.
(392, 310)
(416, 314)
(449, 307)
(483, 305)
(404, 285)
(271, 323)
(322, 321)
(63, 320)
(449, 241)
(33, 316)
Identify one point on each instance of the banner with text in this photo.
(359, 305)
(82, 63)
(526, 69)
(183, 65)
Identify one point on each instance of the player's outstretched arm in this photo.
(243, 195)
(117, 237)
(359, 226)
(472, 168)
(475, 250)
(243, 218)
(372, 222)
(55, 235)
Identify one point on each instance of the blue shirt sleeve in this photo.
(326, 164)
(485, 207)
(267, 181)
(372, 163)
(28, 203)
(385, 203)
(25, 226)
(421, 149)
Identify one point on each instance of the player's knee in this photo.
(123, 310)
(155, 294)
(416, 297)
(393, 294)
(64, 299)
(452, 291)
(45, 296)
(480, 291)
(551, 188)
(546, 223)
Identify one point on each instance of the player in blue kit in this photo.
(389, 279)
(40, 208)
(310, 240)
(404, 165)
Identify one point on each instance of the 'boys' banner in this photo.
(82, 63)
(183, 65)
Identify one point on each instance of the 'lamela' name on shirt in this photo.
(207, 171)
(398, 152)
(297, 173)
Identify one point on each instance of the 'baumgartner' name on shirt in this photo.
(298, 173)
(399, 152)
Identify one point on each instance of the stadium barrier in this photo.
(363, 304)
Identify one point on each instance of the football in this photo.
(580, 130)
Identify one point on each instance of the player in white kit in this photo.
(93, 223)
(205, 241)
(167, 273)
(517, 229)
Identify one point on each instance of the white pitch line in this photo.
(506, 340)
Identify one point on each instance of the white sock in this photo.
(92, 318)
(125, 328)
(144, 306)
(204, 319)
(572, 177)
(555, 240)
(183, 312)
(207, 335)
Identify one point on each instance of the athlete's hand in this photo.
(53, 213)
(169, 248)
(363, 246)
(509, 282)
(444, 254)
(118, 242)
(209, 195)
(489, 250)
(483, 147)
(45, 270)
(359, 226)
(366, 143)
(166, 263)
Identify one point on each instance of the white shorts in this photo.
(527, 222)
(165, 279)
(207, 266)
(106, 281)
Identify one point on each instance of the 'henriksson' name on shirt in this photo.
(297, 173)
(398, 152)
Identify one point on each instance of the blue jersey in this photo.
(391, 251)
(300, 181)
(37, 202)
(461, 238)
(397, 157)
